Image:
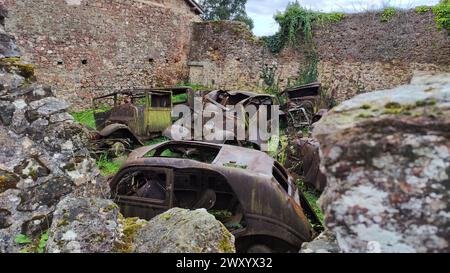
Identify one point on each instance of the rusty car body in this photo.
(226, 102)
(263, 208)
(303, 104)
(134, 115)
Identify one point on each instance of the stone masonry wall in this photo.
(227, 55)
(83, 47)
(358, 54)
(361, 53)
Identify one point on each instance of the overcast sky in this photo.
(262, 11)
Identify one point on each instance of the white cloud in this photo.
(262, 11)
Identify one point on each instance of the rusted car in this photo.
(303, 104)
(135, 115)
(218, 102)
(254, 196)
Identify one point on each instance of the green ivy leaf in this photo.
(22, 239)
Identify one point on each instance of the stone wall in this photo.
(227, 55)
(358, 54)
(83, 47)
(361, 53)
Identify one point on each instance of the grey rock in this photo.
(83, 225)
(43, 156)
(8, 47)
(324, 243)
(184, 231)
(11, 81)
(7, 110)
(49, 105)
(386, 155)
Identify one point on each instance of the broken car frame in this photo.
(252, 194)
(303, 104)
(219, 109)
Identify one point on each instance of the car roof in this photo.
(252, 161)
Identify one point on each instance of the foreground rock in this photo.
(84, 225)
(93, 225)
(387, 159)
(43, 156)
(324, 243)
(184, 231)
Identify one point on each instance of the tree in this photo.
(226, 10)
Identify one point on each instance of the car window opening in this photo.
(192, 189)
(205, 154)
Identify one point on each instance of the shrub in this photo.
(388, 13)
(442, 12)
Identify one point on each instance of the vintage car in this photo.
(135, 115)
(252, 194)
(303, 103)
(219, 102)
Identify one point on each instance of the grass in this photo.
(156, 141)
(312, 196)
(194, 86)
(179, 98)
(107, 166)
(85, 118)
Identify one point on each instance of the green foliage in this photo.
(272, 85)
(180, 98)
(32, 245)
(156, 141)
(312, 196)
(233, 10)
(442, 14)
(22, 239)
(296, 25)
(388, 13)
(308, 73)
(221, 215)
(85, 118)
(326, 18)
(235, 165)
(194, 86)
(422, 9)
(42, 243)
(107, 166)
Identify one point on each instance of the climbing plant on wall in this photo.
(296, 29)
(442, 14)
(296, 25)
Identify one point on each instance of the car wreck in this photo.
(303, 104)
(133, 116)
(247, 190)
(227, 104)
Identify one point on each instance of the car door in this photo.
(143, 192)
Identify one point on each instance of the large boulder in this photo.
(84, 225)
(184, 231)
(93, 225)
(386, 155)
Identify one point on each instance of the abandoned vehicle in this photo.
(133, 116)
(226, 103)
(247, 190)
(303, 104)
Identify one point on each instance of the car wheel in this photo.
(259, 249)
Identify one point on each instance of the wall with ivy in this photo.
(352, 54)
